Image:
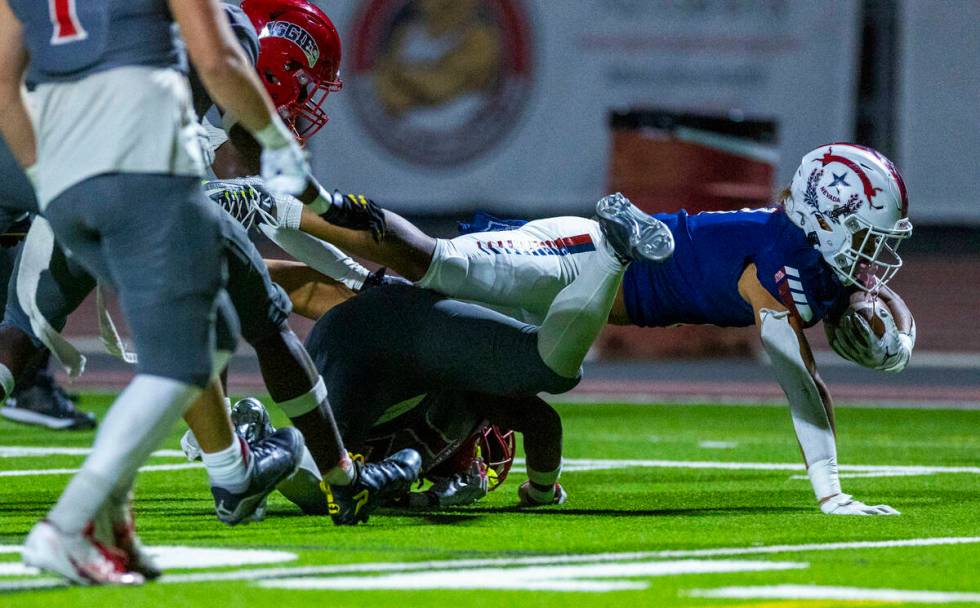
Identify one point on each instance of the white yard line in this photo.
(507, 564)
(588, 464)
(817, 592)
(147, 469)
(538, 578)
(581, 464)
(563, 559)
(16, 451)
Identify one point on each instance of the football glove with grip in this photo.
(844, 504)
(853, 339)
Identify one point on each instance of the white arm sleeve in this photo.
(318, 255)
(813, 429)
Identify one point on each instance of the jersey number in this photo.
(64, 19)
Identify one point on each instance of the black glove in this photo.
(357, 212)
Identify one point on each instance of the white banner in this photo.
(456, 104)
(939, 124)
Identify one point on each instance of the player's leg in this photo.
(52, 285)
(290, 376)
(162, 256)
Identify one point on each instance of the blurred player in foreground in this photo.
(826, 252)
(58, 288)
(113, 116)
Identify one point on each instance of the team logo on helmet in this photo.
(297, 35)
(440, 82)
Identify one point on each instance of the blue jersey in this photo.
(699, 283)
(69, 40)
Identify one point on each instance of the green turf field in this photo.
(668, 505)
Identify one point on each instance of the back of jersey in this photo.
(70, 39)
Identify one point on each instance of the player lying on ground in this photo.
(782, 269)
(443, 344)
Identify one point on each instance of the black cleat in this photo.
(274, 458)
(633, 235)
(46, 404)
(374, 484)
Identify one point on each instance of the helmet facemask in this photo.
(305, 116)
(871, 258)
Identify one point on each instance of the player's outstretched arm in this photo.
(15, 123)
(405, 248)
(234, 86)
(312, 294)
(810, 405)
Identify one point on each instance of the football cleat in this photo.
(523, 493)
(115, 528)
(46, 404)
(252, 422)
(77, 557)
(374, 484)
(273, 459)
(632, 234)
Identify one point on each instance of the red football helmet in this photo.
(493, 446)
(299, 60)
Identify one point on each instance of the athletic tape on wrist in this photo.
(322, 202)
(824, 478)
(306, 402)
(289, 212)
(274, 135)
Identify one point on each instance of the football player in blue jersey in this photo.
(832, 240)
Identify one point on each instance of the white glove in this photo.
(853, 339)
(285, 168)
(844, 504)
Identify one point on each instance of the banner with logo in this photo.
(450, 105)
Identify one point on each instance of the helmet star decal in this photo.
(839, 180)
(869, 190)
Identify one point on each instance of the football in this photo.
(874, 311)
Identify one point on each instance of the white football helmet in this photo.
(852, 203)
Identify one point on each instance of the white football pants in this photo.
(558, 273)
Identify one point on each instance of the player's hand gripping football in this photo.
(855, 339)
(844, 504)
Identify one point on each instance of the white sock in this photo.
(229, 468)
(578, 313)
(342, 474)
(136, 424)
(542, 486)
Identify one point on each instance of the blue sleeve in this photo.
(795, 274)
